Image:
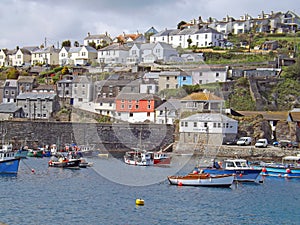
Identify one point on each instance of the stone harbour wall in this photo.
(109, 137)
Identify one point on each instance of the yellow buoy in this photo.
(139, 201)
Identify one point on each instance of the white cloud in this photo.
(28, 22)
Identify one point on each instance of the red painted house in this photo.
(136, 107)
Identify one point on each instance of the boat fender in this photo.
(288, 170)
(264, 169)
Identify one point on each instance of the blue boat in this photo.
(288, 168)
(240, 167)
(9, 164)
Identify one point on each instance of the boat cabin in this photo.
(292, 161)
(236, 164)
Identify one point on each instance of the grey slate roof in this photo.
(171, 104)
(136, 96)
(209, 117)
(9, 108)
(36, 95)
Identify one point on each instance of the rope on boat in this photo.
(32, 170)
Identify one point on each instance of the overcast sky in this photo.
(29, 22)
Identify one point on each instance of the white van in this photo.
(244, 141)
(261, 143)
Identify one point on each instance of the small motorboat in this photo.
(139, 158)
(202, 179)
(288, 168)
(239, 167)
(63, 162)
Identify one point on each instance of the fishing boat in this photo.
(35, 153)
(240, 167)
(9, 164)
(22, 152)
(139, 158)
(202, 179)
(62, 161)
(289, 167)
(161, 158)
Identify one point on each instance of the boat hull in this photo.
(202, 180)
(21, 154)
(65, 164)
(244, 175)
(10, 166)
(281, 172)
(138, 162)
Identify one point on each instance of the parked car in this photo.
(288, 144)
(261, 143)
(230, 142)
(244, 141)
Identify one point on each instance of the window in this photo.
(136, 106)
(195, 124)
(201, 74)
(217, 74)
(182, 124)
(161, 112)
(148, 114)
(167, 85)
(205, 36)
(129, 106)
(80, 99)
(168, 78)
(205, 124)
(184, 78)
(219, 125)
(83, 53)
(149, 107)
(130, 114)
(215, 125)
(186, 124)
(122, 106)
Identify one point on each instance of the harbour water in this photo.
(106, 194)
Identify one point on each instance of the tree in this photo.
(65, 70)
(189, 41)
(66, 43)
(293, 71)
(180, 24)
(92, 44)
(76, 44)
(12, 73)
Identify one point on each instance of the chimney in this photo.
(89, 34)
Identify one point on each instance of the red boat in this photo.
(161, 158)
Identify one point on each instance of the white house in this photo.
(21, 57)
(98, 39)
(150, 52)
(48, 55)
(203, 37)
(207, 127)
(106, 106)
(113, 54)
(205, 74)
(168, 112)
(6, 57)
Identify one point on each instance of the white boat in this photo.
(202, 179)
(139, 158)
